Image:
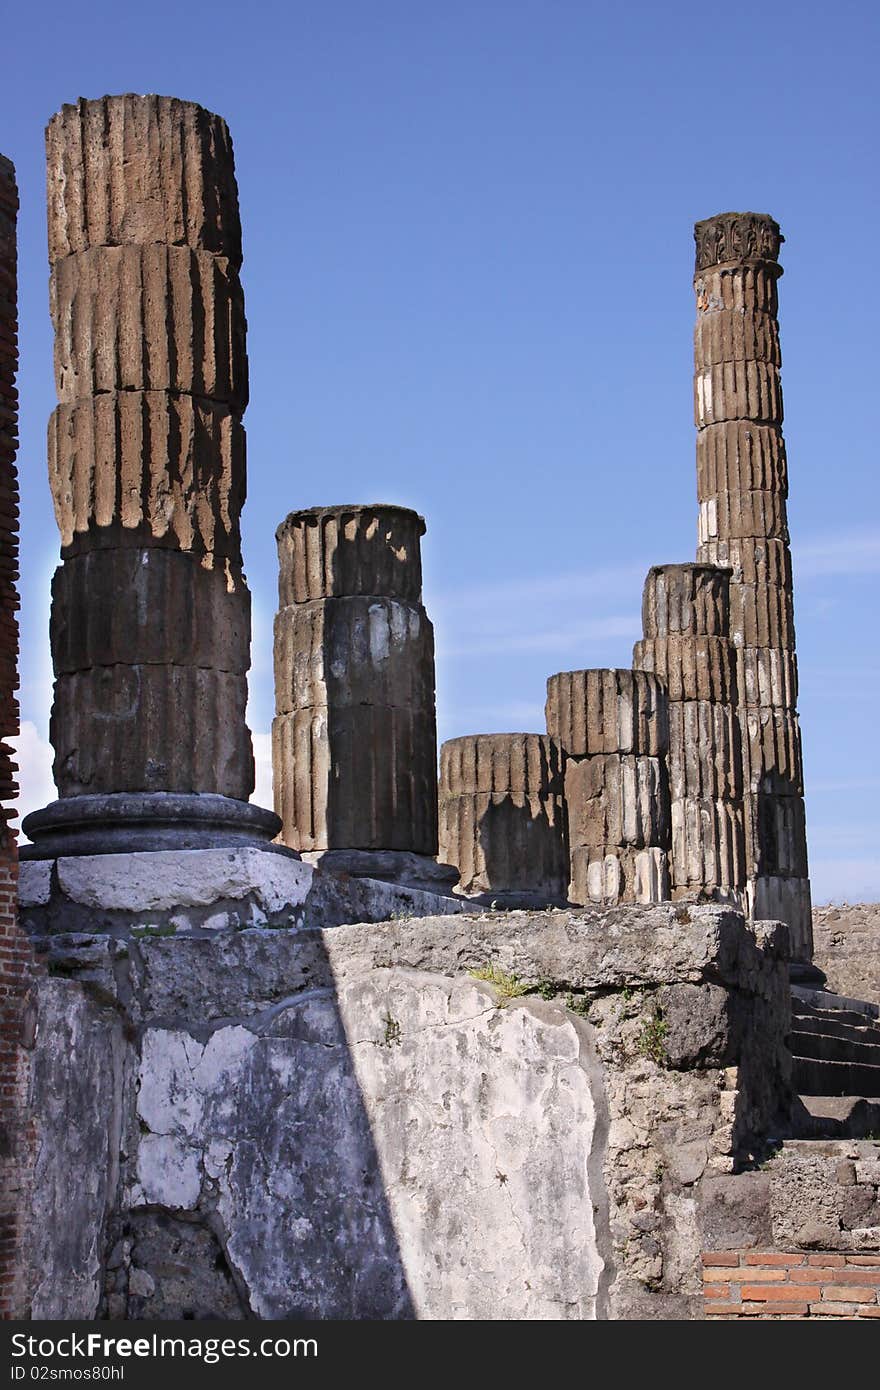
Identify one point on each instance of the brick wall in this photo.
(773, 1284)
(15, 956)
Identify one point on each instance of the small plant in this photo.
(392, 1032)
(404, 915)
(546, 989)
(578, 1004)
(166, 930)
(508, 986)
(627, 994)
(652, 1040)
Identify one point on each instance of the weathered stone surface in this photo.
(825, 1195)
(426, 1146)
(149, 606)
(708, 848)
(704, 758)
(741, 239)
(614, 799)
(748, 390)
(738, 457)
(612, 874)
(771, 748)
(502, 817)
(769, 677)
(345, 652)
(847, 948)
(742, 514)
(688, 599)
(356, 777)
(386, 866)
(326, 552)
(151, 728)
(691, 668)
(140, 169)
(762, 615)
(607, 711)
(728, 331)
(752, 560)
(142, 822)
(76, 1109)
(148, 468)
(184, 878)
(149, 318)
(782, 835)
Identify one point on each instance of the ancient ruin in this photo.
(589, 1071)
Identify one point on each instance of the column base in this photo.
(387, 866)
(135, 822)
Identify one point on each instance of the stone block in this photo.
(771, 749)
(781, 835)
(738, 290)
(733, 333)
(738, 391)
(739, 456)
(611, 875)
(148, 468)
(151, 728)
(149, 318)
(768, 677)
(502, 814)
(705, 758)
(148, 606)
(762, 615)
(178, 880)
(753, 514)
(752, 560)
(708, 848)
(607, 711)
(617, 799)
(344, 652)
(691, 668)
(125, 170)
(688, 599)
(327, 552)
(357, 777)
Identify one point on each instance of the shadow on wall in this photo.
(256, 1187)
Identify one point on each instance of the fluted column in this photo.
(612, 728)
(685, 619)
(150, 626)
(502, 817)
(742, 483)
(354, 740)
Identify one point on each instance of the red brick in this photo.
(829, 1261)
(769, 1260)
(783, 1293)
(725, 1259)
(717, 1291)
(834, 1310)
(869, 1312)
(771, 1309)
(846, 1294)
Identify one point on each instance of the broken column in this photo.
(354, 740)
(150, 626)
(502, 818)
(742, 483)
(611, 726)
(685, 619)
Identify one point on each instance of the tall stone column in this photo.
(150, 626)
(742, 484)
(354, 739)
(502, 818)
(612, 727)
(685, 619)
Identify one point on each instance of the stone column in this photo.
(685, 619)
(354, 739)
(502, 818)
(742, 484)
(611, 726)
(150, 625)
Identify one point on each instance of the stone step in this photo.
(846, 1018)
(835, 1117)
(827, 1025)
(826, 1000)
(828, 1048)
(812, 1077)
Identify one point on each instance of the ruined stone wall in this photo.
(15, 956)
(499, 1116)
(846, 947)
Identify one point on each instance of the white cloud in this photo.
(262, 794)
(849, 552)
(33, 755)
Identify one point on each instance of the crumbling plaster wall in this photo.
(350, 1123)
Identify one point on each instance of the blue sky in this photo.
(468, 262)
